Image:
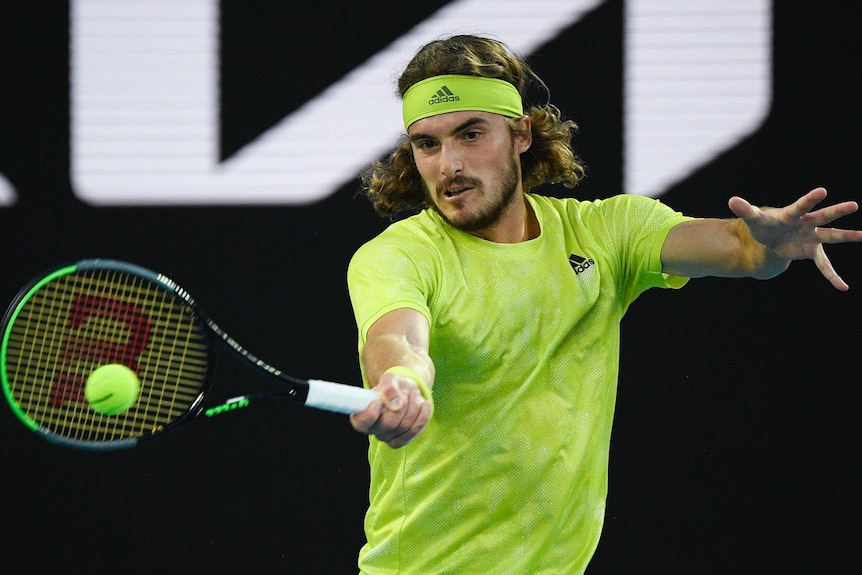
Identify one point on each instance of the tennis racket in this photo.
(63, 326)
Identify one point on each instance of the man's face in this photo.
(470, 166)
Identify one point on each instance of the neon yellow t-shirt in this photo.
(510, 474)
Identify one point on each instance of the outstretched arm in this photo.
(399, 338)
(762, 242)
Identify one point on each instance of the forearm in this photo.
(718, 247)
(400, 337)
(397, 340)
(387, 350)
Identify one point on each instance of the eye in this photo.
(472, 134)
(424, 144)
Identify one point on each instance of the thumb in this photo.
(393, 393)
(740, 207)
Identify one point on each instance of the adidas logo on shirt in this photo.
(579, 263)
(444, 94)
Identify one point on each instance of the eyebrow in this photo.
(470, 122)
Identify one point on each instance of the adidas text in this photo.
(442, 99)
(580, 264)
(582, 267)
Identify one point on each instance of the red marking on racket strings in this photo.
(69, 386)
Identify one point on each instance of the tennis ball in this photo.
(112, 389)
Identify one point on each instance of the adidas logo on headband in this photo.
(475, 93)
(443, 95)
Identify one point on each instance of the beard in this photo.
(488, 214)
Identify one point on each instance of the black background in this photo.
(736, 444)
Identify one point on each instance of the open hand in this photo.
(794, 232)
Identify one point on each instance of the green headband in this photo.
(454, 93)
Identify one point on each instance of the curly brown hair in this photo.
(394, 186)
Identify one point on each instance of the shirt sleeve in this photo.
(386, 274)
(640, 225)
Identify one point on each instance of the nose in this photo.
(450, 160)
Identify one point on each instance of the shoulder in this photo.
(408, 238)
(426, 225)
(627, 208)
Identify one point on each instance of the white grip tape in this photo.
(338, 397)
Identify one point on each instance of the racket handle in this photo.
(338, 397)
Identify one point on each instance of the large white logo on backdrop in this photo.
(145, 98)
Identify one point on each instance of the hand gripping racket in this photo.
(63, 326)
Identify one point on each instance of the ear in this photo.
(524, 137)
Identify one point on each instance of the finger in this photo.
(825, 266)
(741, 208)
(398, 429)
(394, 395)
(418, 423)
(806, 203)
(831, 213)
(838, 236)
(365, 420)
(395, 424)
(387, 423)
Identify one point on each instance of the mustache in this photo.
(458, 182)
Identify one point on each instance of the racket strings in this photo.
(79, 321)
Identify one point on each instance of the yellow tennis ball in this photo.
(112, 389)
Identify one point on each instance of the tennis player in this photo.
(489, 319)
